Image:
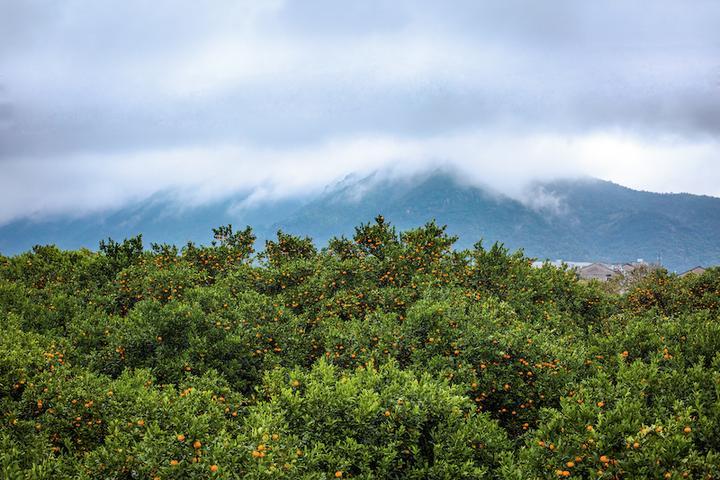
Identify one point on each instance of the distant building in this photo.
(598, 271)
(694, 271)
(627, 268)
(559, 264)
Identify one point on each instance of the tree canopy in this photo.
(384, 355)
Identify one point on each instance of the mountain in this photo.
(581, 219)
(162, 219)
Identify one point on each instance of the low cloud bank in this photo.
(501, 161)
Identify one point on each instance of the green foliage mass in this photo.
(385, 355)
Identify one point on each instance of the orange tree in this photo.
(385, 355)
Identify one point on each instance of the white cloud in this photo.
(102, 103)
(501, 160)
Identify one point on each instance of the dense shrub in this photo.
(384, 355)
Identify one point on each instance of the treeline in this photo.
(385, 355)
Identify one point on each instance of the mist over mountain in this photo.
(580, 219)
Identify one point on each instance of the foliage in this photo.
(384, 355)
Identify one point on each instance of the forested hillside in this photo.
(578, 220)
(384, 355)
(581, 219)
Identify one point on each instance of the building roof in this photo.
(604, 271)
(598, 267)
(694, 271)
(560, 263)
(598, 271)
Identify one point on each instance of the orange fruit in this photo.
(197, 444)
(181, 437)
(338, 474)
(213, 468)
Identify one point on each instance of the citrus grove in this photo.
(385, 355)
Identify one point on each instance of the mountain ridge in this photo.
(574, 219)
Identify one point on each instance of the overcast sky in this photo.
(106, 102)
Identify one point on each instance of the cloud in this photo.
(503, 161)
(120, 100)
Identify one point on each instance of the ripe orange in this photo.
(687, 429)
(173, 462)
(197, 444)
(213, 468)
(181, 437)
(338, 474)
